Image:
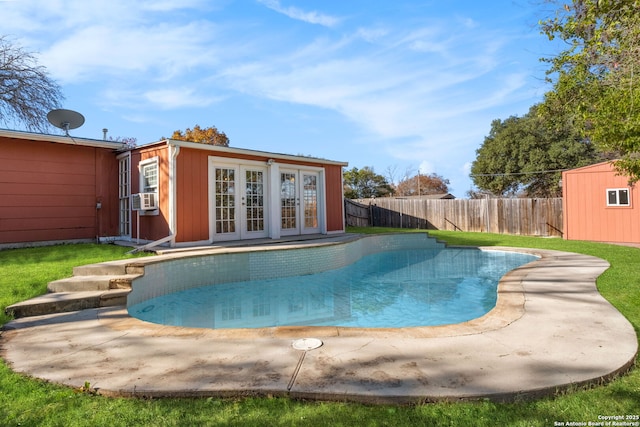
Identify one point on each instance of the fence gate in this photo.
(357, 214)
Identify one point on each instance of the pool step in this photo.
(63, 302)
(110, 268)
(92, 286)
(92, 283)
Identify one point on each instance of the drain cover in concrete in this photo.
(307, 344)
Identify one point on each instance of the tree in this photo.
(525, 155)
(364, 183)
(422, 184)
(596, 77)
(209, 135)
(27, 93)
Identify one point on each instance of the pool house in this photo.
(176, 193)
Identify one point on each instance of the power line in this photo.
(519, 173)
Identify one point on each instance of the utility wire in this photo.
(518, 173)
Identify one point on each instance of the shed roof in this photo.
(243, 151)
(596, 167)
(61, 139)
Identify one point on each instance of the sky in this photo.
(399, 86)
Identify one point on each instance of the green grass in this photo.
(25, 273)
(29, 402)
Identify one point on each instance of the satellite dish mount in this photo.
(65, 119)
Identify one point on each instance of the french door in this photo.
(299, 191)
(239, 209)
(124, 193)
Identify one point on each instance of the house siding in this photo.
(50, 191)
(192, 191)
(192, 196)
(153, 225)
(335, 199)
(586, 214)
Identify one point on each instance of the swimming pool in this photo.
(391, 281)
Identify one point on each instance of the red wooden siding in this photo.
(192, 196)
(586, 214)
(192, 191)
(49, 191)
(335, 203)
(152, 226)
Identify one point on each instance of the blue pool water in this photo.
(404, 288)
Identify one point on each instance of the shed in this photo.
(600, 205)
(207, 193)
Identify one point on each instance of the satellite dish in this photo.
(65, 119)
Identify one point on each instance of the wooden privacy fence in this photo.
(527, 217)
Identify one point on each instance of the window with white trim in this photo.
(149, 176)
(618, 197)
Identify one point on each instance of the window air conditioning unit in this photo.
(144, 201)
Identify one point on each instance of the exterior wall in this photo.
(335, 199)
(586, 214)
(192, 192)
(154, 225)
(192, 195)
(49, 191)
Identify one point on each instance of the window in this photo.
(149, 176)
(618, 197)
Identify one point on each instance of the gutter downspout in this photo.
(174, 150)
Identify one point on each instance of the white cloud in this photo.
(92, 52)
(466, 168)
(426, 167)
(300, 15)
(372, 34)
(174, 98)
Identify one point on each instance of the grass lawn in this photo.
(24, 273)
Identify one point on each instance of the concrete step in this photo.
(92, 283)
(100, 269)
(62, 302)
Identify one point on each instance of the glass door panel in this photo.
(253, 200)
(288, 203)
(225, 202)
(310, 202)
(124, 193)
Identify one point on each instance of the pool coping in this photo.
(550, 331)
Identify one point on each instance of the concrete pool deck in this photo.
(551, 330)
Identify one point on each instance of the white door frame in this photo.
(299, 201)
(124, 196)
(254, 208)
(234, 216)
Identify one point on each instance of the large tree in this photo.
(209, 135)
(365, 183)
(422, 184)
(596, 78)
(27, 93)
(525, 155)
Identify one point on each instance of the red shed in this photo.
(56, 188)
(600, 205)
(199, 193)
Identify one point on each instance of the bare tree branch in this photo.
(27, 93)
